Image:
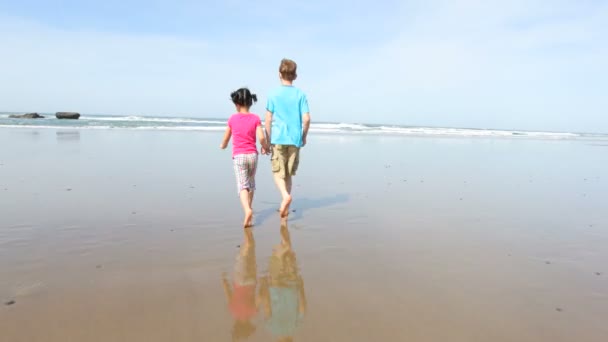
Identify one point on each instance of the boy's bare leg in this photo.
(288, 183)
(244, 194)
(282, 185)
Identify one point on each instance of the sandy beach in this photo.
(119, 235)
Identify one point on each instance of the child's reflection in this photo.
(241, 294)
(282, 290)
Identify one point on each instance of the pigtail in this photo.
(243, 97)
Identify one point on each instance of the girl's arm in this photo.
(262, 139)
(227, 289)
(226, 139)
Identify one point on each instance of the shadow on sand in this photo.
(300, 206)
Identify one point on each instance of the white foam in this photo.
(149, 119)
(140, 128)
(339, 126)
(173, 124)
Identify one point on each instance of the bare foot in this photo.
(248, 218)
(284, 210)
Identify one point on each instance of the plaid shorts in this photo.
(245, 166)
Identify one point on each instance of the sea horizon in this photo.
(194, 123)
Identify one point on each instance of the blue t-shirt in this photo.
(287, 104)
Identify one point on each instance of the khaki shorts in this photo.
(285, 160)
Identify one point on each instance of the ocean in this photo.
(102, 122)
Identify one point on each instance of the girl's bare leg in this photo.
(245, 202)
(251, 192)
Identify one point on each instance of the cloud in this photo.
(485, 64)
(89, 71)
(516, 64)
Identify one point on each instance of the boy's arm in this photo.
(268, 124)
(302, 297)
(227, 289)
(226, 138)
(262, 139)
(305, 127)
(264, 297)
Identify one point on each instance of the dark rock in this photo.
(98, 266)
(548, 262)
(26, 116)
(559, 309)
(67, 115)
(598, 273)
(10, 302)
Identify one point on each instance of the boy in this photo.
(287, 123)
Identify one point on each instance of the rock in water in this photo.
(67, 115)
(26, 116)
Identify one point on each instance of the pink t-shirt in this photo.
(242, 305)
(244, 128)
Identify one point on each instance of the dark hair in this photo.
(243, 97)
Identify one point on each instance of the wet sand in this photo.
(135, 236)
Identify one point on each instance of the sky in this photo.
(516, 64)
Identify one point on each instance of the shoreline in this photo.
(515, 137)
(125, 236)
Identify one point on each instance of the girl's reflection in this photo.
(282, 290)
(241, 294)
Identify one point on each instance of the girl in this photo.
(243, 127)
(240, 294)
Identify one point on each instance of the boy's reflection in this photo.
(282, 290)
(241, 294)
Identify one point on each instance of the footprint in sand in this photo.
(28, 289)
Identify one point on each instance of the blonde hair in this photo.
(288, 69)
